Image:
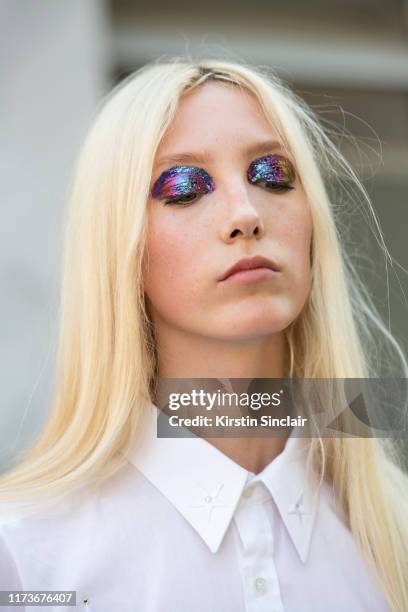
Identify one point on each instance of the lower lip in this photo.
(245, 277)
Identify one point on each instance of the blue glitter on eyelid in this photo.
(182, 180)
(271, 168)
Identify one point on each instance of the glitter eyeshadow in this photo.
(181, 181)
(271, 168)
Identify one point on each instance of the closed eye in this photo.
(270, 185)
(185, 199)
(274, 172)
(182, 185)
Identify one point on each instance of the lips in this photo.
(251, 264)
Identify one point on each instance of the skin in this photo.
(205, 328)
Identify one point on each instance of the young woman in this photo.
(192, 168)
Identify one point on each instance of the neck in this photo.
(183, 355)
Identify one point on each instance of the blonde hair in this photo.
(106, 355)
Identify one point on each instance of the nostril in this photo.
(236, 231)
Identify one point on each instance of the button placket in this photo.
(261, 584)
(248, 492)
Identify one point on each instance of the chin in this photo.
(255, 318)
(250, 329)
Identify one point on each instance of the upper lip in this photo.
(250, 264)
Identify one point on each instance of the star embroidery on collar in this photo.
(297, 508)
(209, 499)
(86, 605)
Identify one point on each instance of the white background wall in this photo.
(54, 66)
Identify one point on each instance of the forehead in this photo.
(217, 114)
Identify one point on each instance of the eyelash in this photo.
(186, 195)
(275, 186)
(269, 185)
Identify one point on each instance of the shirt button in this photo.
(260, 585)
(248, 492)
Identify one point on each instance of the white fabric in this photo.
(183, 528)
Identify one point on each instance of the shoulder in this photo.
(78, 528)
(65, 539)
(10, 579)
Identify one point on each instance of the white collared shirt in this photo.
(183, 528)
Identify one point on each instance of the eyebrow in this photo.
(260, 148)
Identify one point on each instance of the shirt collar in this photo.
(205, 485)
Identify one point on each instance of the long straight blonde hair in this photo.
(106, 358)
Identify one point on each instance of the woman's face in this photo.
(219, 157)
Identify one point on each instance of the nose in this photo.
(242, 219)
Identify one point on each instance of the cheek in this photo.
(170, 263)
(297, 231)
(302, 237)
(302, 230)
(295, 236)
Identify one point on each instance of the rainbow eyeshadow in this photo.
(182, 181)
(271, 169)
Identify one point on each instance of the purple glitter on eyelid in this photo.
(182, 180)
(273, 168)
